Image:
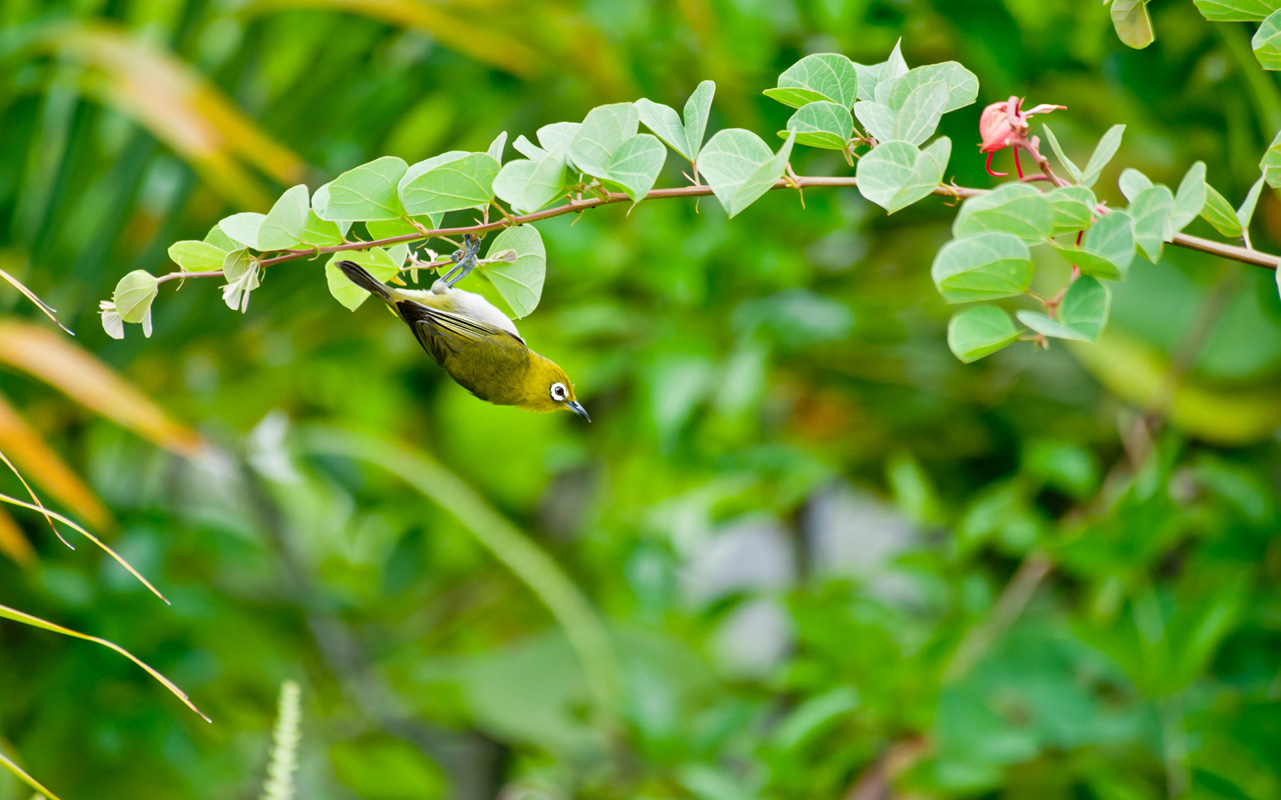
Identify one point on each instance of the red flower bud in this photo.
(1005, 124)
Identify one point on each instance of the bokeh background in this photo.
(801, 551)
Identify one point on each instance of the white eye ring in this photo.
(558, 391)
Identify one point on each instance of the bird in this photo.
(476, 344)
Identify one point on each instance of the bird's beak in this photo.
(577, 408)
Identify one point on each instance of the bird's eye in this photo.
(558, 392)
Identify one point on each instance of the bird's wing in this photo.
(443, 334)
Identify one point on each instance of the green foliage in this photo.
(897, 174)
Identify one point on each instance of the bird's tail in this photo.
(361, 277)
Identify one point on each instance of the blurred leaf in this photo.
(913, 491)
(821, 76)
(815, 716)
(180, 107)
(978, 332)
(740, 167)
(1066, 162)
(383, 768)
(982, 267)
(36, 622)
(897, 174)
(1133, 183)
(376, 260)
(1245, 214)
(1103, 153)
(86, 380)
(244, 228)
(1219, 213)
(39, 461)
(1133, 26)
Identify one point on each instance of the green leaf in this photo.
(379, 263)
(894, 175)
(978, 332)
(871, 77)
(1151, 211)
(453, 184)
(821, 76)
(111, 322)
(962, 85)
(365, 193)
(1267, 42)
(602, 132)
(697, 110)
(1219, 213)
(1107, 249)
(243, 228)
(387, 228)
(520, 282)
(739, 167)
(1073, 208)
(1067, 163)
(1132, 23)
(685, 137)
(983, 267)
(1236, 10)
(529, 185)
(1014, 208)
(1103, 154)
(219, 239)
(286, 223)
(558, 133)
(236, 263)
(1271, 163)
(1081, 315)
(323, 232)
(666, 124)
(194, 256)
(914, 121)
(1133, 183)
(495, 149)
(1245, 214)
(528, 149)
(134, 294)
(635, 165)
(1189, 199)
(822, 124)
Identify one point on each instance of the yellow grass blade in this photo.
(64, 365)
(49, 311)
(46, 469)
(21, 775)
(39, 505)
(27, 619)
(4, 498)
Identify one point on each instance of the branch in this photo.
(1232, 252)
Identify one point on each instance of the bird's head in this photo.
(548, 388)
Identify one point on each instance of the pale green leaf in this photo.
(520, 282)
(452, 185)
(1189, 199)
(377, 260)
(322, 232)
(1236, 10)
(219, 239)
(739, 167)
(529, 185)
(978, 332)
(602, 132)
(918, 117)
(243, 228)
(822, 124)
(1081, 315)
(367, 192)
(666, 124)
(1074, 208)
(1103, 153)
(1067, 163)
(134, 294)
(1133, 183)
(194, 256)
(1107, 249)
(697, 110)
(821, 76)
(1014, 208)
(962, 85)
(983, 267)
(1245, 214)
(558, 133)
(1151, 211)
(895, 175)
(1271, 163)
(635, 165)
(286, 223)
(1267, 42)
(495, 149)
(1219, 213)
(1132, 23)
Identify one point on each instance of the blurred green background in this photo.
(801, 552)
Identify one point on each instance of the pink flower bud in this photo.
(995, 128)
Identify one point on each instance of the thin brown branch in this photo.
(1228, 251)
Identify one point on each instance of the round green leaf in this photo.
(243, 228)
(982, 267)
(739, 167)
(636, 164)
(1106, 250)
(1267, 42)
(602, 132)
(194, 256)
(377, 260)
(822, 124)
(1014, 208)
(897, 174)
(368, 192)
(286, 223)
(822, 76)
(978, 332)
(1074, 208)
(520, 282)
(465, 181)
(134, 294)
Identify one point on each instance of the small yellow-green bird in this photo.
(475, 343)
